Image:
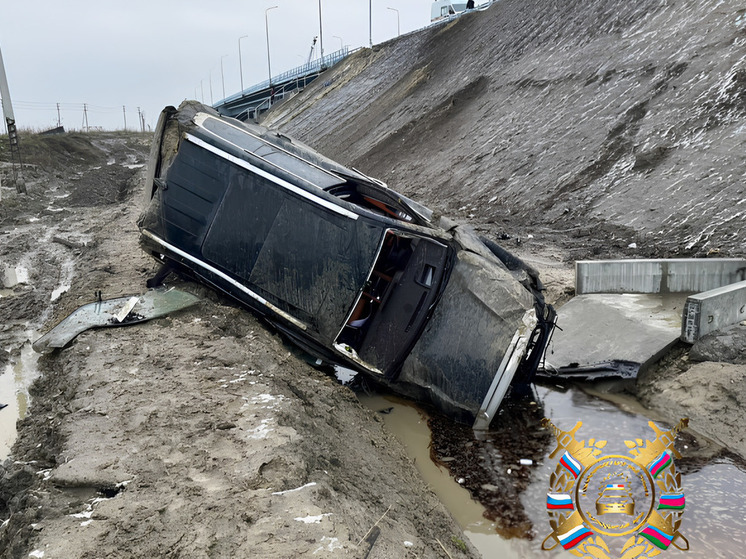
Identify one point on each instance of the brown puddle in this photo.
(15, 379)
(508, 469)
(410, 426)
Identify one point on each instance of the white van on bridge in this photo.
(445, 8)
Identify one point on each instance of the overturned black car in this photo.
(353, 272)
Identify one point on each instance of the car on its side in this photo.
(350, 270)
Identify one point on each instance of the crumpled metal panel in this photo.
(152, 304)
(462, 346)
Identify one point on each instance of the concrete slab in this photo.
(713, 310)
(675, 275)
(613, 334)
(628, 313)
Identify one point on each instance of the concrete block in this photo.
(677, 275)
(613, 332)
(713, 310)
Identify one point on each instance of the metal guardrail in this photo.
(313, 67)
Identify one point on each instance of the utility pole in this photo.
(211, 101)
(222, 75)
(240, 64)
(124, 112)
(85, 117)
(142, 121)
(269, 64)
(59, 119)
(398, 29)
(10, 122)
(321, 36)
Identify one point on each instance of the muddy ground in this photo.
(203, 434)
(215, 438)
(593, 130)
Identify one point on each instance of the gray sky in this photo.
(153, 53)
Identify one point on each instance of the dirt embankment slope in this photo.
(197, 435)
(620, 120)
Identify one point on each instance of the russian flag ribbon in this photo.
(660, 464)
(559, 501)
(657, 537)
(573, 537)
(571, 464)
(615, 486)
(674, 501)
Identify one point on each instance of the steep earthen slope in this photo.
(621, 118)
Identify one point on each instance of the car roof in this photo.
(288, 158)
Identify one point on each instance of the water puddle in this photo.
(67, 269)
(509, 469)
(15, 381)
(410, 426)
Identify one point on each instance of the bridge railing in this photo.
(312, 67)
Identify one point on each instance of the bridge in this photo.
(250, 102)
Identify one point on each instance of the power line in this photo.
(56, 110)
(40, 106)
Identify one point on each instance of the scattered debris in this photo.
(66, 242)
(126, 309)
(114, 312)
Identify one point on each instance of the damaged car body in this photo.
(353, 272)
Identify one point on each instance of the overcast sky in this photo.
(152, 53)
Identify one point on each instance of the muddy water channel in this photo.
(508, 470)
(15, 379)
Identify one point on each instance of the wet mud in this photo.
(195, 363)
(497, 467)
(196, 434)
